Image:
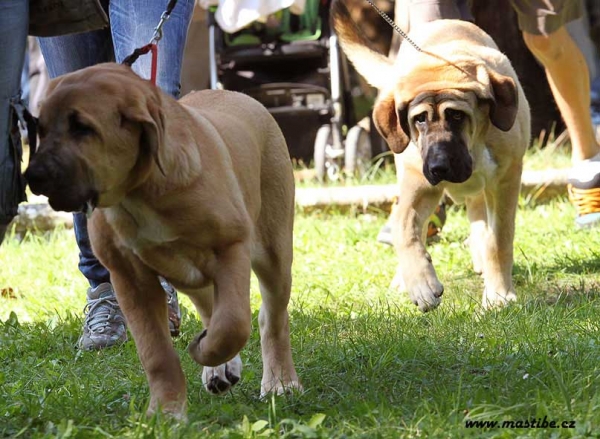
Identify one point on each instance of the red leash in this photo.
(152, 46)
(154, 50)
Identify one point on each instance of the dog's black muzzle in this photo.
(60, 182)
(447, 161)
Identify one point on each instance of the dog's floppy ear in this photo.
(505, 101)
(392, 123)
(152, 121)
(153, 134)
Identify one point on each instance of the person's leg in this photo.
(25, 79)
(63, 55)
(543, 25)
(569, 81)
(38, 76)
(104, 324)
(13, 39)
(67, 53)
(72, 52)
(412, 13)
(133, 23)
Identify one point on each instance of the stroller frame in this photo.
(328, 117)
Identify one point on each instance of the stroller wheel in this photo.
(322, 141)
(327, 157)
(357, 151)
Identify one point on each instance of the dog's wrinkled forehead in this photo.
(440, 79)
(65, 110)
(464, 100)
(87, 91)
(93, 83)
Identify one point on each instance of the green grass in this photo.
(556, 155)
(371, 364)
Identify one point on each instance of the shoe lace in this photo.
(99, 313)
(171, 293)
(586, 201)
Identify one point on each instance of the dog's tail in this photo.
(375, 67)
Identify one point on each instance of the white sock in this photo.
(586, 170)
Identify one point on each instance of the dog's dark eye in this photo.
(421, 117)
(455, 115)
(79, 128)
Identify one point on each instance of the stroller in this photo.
(293, 65)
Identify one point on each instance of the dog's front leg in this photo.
(415, 268)
(230, 322)
(220, 379)
(144, 304)
(501, 203)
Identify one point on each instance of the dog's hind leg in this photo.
(219, 379)
(272, 256)
(273, 266)
(476, 212)
(230, 320)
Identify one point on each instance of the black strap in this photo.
(129, 60)
(27, 121)
(170, 6)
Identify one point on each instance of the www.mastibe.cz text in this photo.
(524, 423)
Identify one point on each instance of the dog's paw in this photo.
(494, 300)
(218, 380)
(174, 410)
(280, 388)
(426, 293)
(421, 283)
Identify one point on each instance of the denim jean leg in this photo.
(25, 86)
(133, 23)
(68, 53)
(14, 23)
(89, 265)
(63, 55)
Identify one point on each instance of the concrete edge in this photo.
(37, 215)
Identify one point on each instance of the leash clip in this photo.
(152, 45)
(158, 34)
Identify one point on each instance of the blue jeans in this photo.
(14, 22)
(132, 24)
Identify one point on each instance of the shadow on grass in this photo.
(566, 264)
(375, 371)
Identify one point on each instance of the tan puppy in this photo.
(456, 112)
(198, 191)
